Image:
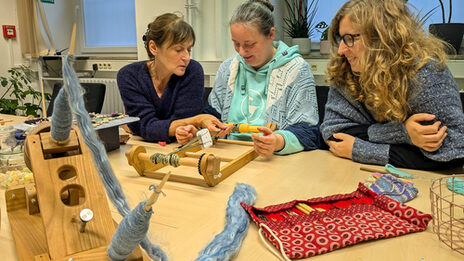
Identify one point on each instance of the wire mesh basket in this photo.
(448, 211)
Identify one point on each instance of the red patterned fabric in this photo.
(352, 218)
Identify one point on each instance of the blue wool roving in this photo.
(111, 184)
(130, 232)
(61, 118)
(456, 184)
(226, 245)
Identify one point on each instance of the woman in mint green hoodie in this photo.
(265, 82)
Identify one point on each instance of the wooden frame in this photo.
(65, 184)
(207, 164)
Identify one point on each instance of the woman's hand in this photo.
(210, 122)
(200, 121)
(185, 133)
(342, 148)
(427, 137)
(267, 143)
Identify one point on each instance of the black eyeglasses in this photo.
(348, 39)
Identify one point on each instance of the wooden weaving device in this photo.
(208, 164)
(75, 221)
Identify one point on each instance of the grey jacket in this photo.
(437, 93)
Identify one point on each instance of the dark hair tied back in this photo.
(267, 4)
(168, 28)
(257, 13)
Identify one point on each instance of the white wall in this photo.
(210, 22)
(60, 21)
(10, 52)
(146, 11)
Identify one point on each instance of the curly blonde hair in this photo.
(396, 47)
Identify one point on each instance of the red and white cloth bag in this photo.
(366, 216)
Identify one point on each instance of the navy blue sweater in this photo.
(182, 98)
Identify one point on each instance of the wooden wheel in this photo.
(209, 167)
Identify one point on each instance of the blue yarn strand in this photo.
(111, 184)
(130, 232)
(226, 245)
(61, 117)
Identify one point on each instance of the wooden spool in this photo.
(65, 184)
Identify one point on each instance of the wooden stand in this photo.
(66, 182)
(208, 164)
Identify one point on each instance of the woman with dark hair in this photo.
(167, 90)
(392, 100)
(266, 82)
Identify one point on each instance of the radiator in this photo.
(113, 102)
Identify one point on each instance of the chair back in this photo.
(321, 92)
(94, 96)
(206, 95)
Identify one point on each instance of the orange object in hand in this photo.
(246, 128)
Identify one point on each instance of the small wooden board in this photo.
(29, 235)
(66, 183)
(85, 192)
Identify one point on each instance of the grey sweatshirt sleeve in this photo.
(439, 95)
(389, 132)
(371, 153)
(341, 113)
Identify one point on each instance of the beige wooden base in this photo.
(30, 237)
(66, 182)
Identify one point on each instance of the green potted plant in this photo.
(299, 24)
(450, 32)
(323, 28)
(19, 97)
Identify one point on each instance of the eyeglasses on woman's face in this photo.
(348, 39)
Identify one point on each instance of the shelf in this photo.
(52, 78)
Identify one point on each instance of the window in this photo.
(328, 9)
(108, 26)
(325, 12)
(424, 6)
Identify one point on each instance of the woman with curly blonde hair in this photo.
(392, 100)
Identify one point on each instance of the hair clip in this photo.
(144, 36)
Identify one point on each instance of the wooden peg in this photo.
(154, 196)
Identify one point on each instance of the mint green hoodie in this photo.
(249, 104)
